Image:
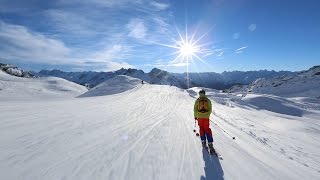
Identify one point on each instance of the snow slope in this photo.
(17, 88)
(147, 133)
(115, 85)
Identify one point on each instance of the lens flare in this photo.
(188, 49)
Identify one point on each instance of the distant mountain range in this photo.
(157, 76)
(300, 84)
(263, 81)
(92, 79)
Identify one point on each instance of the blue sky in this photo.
(105, 35)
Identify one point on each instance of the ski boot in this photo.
(212, 150)
(204, 144)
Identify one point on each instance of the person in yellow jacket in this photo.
(202, 111)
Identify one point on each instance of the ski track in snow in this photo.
(145, 133)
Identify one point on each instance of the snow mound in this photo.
(115, 85)
(18, 88)
(273, 104)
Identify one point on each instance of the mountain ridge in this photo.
(303, 83)
(213, 80)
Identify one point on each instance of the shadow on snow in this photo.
(212, 168)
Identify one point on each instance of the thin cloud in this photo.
(24, 44)
(161, 64)
(70, 22)
(101, 65)
(208, 54)
(100, 3)
(242, 48)
(110, 58)
(159, 6)
(183, 64)
(161, 24)
(218, 52)
(252, 27)
(74, 36)
(137, 28)
(236, 35)
(111, 53)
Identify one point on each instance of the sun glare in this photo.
(187, 49)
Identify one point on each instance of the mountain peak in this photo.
(15, 71)
(156, 71)
(317, 68)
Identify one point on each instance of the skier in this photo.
(202, 111)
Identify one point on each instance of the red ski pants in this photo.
(205, 131)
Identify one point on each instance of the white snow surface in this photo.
(118, 84)
(147, 133)
(18, 88)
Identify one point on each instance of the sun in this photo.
(187, 49)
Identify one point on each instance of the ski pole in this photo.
(194, 129)
(223, 130)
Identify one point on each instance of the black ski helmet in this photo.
(202, 91)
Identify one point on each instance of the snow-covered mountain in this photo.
(15, 71)
(300, 84)
(18, 88)
(157, 76)
(118, 84)
(92, 78)
(226, 80)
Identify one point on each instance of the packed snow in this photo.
(146, 132)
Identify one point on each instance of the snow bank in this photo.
(273, 104)
(115, 85)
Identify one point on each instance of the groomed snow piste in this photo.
(147, 133)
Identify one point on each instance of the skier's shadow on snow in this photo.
(212, 168)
